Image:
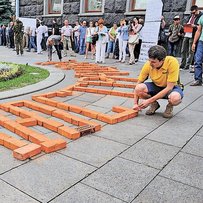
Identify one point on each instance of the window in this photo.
(54, 6)
(199, 3)
(139, 5)
(93, 6)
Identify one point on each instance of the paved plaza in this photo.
(140, 160)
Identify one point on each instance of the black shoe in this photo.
(192, 71)
(196, 83)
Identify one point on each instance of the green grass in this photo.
(31, 75)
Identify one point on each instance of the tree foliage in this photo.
(5, 11)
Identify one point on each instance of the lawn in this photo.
(30, 75)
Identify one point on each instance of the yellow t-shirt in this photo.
(169, 72)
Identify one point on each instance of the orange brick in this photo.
(3, 119)
(3, 137)
(129, 95)
(10, 125)
(28, 122)
(90, 113)
(106, 118)
(120, 109)
(62, 94)
(97, 126)
(38, 138)
(63, 106)
(75, 109)
(13, 143)
(39, 99)
(118, 93)
(23, 131)
(53, 145)
(68, 132)
(51, 94)
(51, 125)
(5, 107)
(103, 91)
(27, 151)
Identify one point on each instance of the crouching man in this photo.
(164, 73)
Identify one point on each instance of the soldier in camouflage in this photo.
(18, 33)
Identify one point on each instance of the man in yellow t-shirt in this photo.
(164, 73)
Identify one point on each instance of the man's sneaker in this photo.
(168, 113)
(153, 107)
(196, 83)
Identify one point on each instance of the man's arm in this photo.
(197, 35)
(160, 95)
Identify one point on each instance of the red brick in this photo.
(37, 138)
(90, 113)
(75, 109)
(129, 95)
(27, 151)
(103, 91)
(53, 145)
(3, 119)
(3, 137)
(51, 125)
(5, 107)
(51, 94)
(120, 109)
(106, 118)
(68, 132)
(63, 106)
(28, 122)
(13, 143)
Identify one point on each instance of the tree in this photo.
(5, 11)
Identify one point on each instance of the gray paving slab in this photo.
(197, 105)
(4, 130)
(121, 178)
(178, 130)
(9, 194)
(168, 191)
(54, 135)
(90, 97)
(151, 153)
(78, 102)
(110, 101)
(47, 176)
(41, 129)
(194, 146)
(98, 109)
(93, 150)
(185, 168)
(200, 132)
(7, 161)
(85, 194)
(126, 132)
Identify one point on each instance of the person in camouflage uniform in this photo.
(18, 33)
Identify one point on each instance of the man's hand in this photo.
(193, 47)
(145, 104)
(136, 107)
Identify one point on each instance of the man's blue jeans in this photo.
(32, 43)
(199, 61)
(82, 46)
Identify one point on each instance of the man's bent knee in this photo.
(141, 90)
(174, 98)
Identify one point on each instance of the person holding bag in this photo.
(134, 29)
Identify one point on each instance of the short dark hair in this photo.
(157, 52)
(194, 7)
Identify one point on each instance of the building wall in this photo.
(114, 10)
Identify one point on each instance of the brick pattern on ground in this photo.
(32, 142)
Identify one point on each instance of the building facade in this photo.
(111, 10)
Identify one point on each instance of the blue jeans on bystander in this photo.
(199, 61)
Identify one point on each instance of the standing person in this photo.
(54, 40)
(1, 31)
(187, 54)
(112, 40)
(123, 40)
(82, 31)
(66, 34)
(26, 37)
(45, 37)
(176, 31)
(40, 32)
(4, 35)
(32, 35)
(18, 34)
(134, 30)
(162, 34)
(198, 45)
(163, 86)
(102, 31)
(76, 36)
(55, 28)
(7, 36)
(11, 35)
(88, 38)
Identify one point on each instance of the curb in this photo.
(55, 77)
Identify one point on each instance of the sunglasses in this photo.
(176, 19)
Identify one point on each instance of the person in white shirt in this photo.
(88, 38)
(40, 31)
(76, 36)
(32, 44)
(66, 37)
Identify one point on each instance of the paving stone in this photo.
(129, 136)
(47, 176)
(168, 191)
(11, 195)
(151, 153)
(54, 135)
(97, 108)
(122, 89)
(194, 146)
(90, 97)
(7, 161)
(110, 101)
(41, 129)
(178, 130)
(121, 178)
(4, 130)
(85, 194)
(78, 102)
(200, 132)
(93, 150)
(185, 168)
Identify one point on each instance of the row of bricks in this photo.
(79, 75)
(23, 150)
(55, 126)
(129, 113)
